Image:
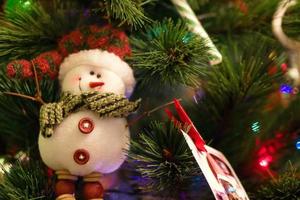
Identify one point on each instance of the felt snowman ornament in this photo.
(85, 134)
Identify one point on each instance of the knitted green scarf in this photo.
(104, 104)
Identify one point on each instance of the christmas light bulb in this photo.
(255, 127)
(27, 3)
(284, 67)
(286, 89)
(265, 161)
(21, 5)
(298, 144)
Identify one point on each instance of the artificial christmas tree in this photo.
(71, 71)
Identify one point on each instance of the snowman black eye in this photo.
(98, 75)
(92, 72)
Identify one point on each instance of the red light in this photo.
(265, 161)
(284, 67)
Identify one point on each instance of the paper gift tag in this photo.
(218, 172)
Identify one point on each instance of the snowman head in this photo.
(96, 70)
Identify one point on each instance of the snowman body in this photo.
(83, 142)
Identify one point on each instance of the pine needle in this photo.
(25, 181)
(163, 158)
(127, 11)
(285, 187)
(27, 33)
(168, 54)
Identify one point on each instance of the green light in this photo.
(26, 4)
(187, 38)
(23, 5)
(255, 127)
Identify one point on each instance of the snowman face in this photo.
(92, 78)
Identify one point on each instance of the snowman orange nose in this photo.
(96, 84)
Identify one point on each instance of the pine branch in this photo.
(236, 94)
(127, 11)
(26, 181)
(285, 187)
(163, 158)
(291, 22)
(285, 119)
(226, 16)
(243, 76)
(20, 117)
(27, 33)
(168, 55)
(24, 34)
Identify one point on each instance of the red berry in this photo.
(42, 64)
(62, 45)
(94, 28)
(116, 50)
(27, 71)
(94, 42)
(52, 56)
(120, 35)
(26, 68)
(76, 37)
(127, 50)
(53, 74)
(57, 58)
(10, 70)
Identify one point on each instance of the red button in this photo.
(86, 125)
(81, 156)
